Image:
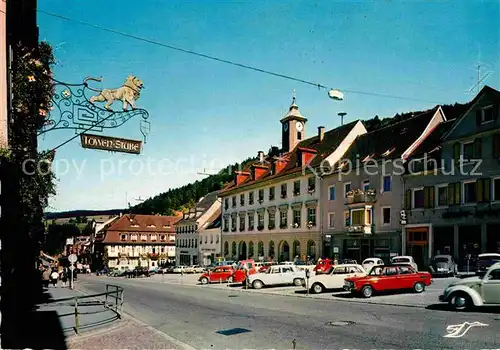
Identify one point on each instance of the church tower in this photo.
(293, 128)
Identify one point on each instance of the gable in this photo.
(472, 121)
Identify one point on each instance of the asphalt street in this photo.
(216, 318)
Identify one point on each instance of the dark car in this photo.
(485, 261)
(444, 265)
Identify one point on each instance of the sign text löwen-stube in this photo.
(113, 144)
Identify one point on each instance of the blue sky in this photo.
(206, 114)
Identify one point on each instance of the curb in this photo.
(129, 316)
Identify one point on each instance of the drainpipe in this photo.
(321, 210)
(403, 227)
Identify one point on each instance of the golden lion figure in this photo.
(128, 93)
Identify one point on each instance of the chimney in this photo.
(321, 133)
(261, 157)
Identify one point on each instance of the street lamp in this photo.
(335, 94)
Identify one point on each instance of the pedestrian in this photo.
(54, 276)
(46, 278)
(64, 277)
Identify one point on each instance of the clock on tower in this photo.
(293, 130)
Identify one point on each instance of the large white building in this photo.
(198, 240)
(271, 210)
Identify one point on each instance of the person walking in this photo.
(46, 278)
(64, 277)
(54, 276)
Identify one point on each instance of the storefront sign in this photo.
(110, 144)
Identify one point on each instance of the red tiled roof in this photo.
(323, 149)
(141, 224)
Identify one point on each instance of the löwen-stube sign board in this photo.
(112, 144)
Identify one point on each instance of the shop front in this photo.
(493, 238)
(379, 246)
(417, 244)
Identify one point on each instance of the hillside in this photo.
(83, 213)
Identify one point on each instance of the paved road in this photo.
(221, 318)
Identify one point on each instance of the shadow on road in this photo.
(447, 307)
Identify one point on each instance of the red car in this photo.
(240, 274)
(388, 278)
(218, 274)
(324, 266)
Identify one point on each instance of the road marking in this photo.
(459, 330)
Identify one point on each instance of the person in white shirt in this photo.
(54, 276)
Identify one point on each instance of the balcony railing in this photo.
(360, 196)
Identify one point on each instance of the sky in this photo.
(206, 114)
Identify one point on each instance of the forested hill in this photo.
(186, 196)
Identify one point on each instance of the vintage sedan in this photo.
(335, 279)
(277, 275)
(388, 278)
(219, 274)
(371, 262)
(404, 260)
(474, 291)
(444, 265)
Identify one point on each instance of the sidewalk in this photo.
(91, 313)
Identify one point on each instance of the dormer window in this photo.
(153, 237)
(123, 237)
(144, 238)
(133, 237)
(486, 115)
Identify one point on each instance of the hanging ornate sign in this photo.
(113, 144)
(74, 106)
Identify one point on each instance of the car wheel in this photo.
(367, 291)
(230, 280)
(204, 280)
(317, 288)
(257, 284)
(297, 281)
(419, 287)
(460, 301)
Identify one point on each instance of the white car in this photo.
(197, 269)
(404, 260)
(276, 275)
(179, 269)
(370, 262)
(335, 279)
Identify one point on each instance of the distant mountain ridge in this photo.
(81, 213)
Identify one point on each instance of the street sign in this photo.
(71, 268)
(72, 258)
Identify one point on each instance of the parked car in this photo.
(179, 269)
(217, 274)
(474, 291)
(485, 261)
(388, 278)
(405, 260)
(335, 279)
(196, 269)
(277, 275)
(265, 266)
(444, 265)
(324, 266)
(370, 262)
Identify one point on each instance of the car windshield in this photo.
(401, 260)
(441, 259)
(366, 262)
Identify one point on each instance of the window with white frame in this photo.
(496, 189)
(366, 185)
(386, 216)
(469, 192)
(417, 198)
(331, 220)
(331, 193)
(347, 188)
(311, 216)
(487, 114)
(296, 217)
(442, 195)
(283, 218)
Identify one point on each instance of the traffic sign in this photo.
(72, 258)
(71, 268)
